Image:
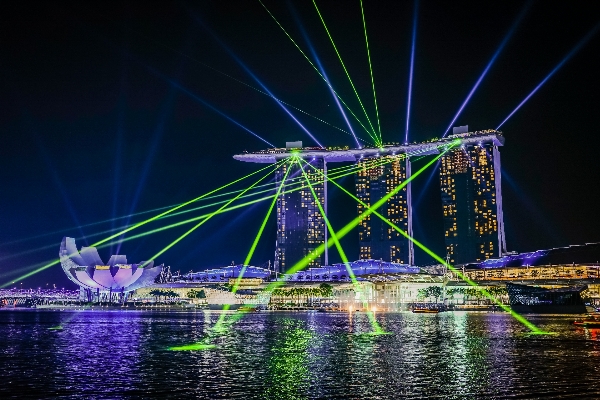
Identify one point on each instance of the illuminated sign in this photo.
(246, 281)
(102, 267)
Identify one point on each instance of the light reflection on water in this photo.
(276, 355)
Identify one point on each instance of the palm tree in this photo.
(326, 289)
(156, 293)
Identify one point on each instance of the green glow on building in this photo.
(348, 227)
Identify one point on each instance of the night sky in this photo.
(104, 113)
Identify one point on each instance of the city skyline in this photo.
(98, 122)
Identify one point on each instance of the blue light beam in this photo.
(581, 43)
(249, 72)
(166, 110)
(487, 68)
(207, 104)
(412, 63)
(325, 77)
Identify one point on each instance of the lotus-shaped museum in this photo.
(86, 269)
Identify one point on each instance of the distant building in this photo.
(300, 225)
(470, 178)
(378, 240)
(100, 281)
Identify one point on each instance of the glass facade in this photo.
(472, 203)
(300, 225)
(532, 299)
(378, 240)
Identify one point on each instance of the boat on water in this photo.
(590, 321)
(246, 308)
(425, 310)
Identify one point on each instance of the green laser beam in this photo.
(123, 217)
(352, 224)
(293, 181)
(515, 315)
(55, 262)
(346, 71)
(47, 264)
(375, 165)
(173, 243)
(176, 208)
(171, 215)
(81, 226)
(255, 243)
(374, 323)
(137, 236)
(264, 222)
(318, 72)
(362, 10)
(296, 186)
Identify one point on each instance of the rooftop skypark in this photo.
(345, 154)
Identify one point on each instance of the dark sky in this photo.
(102, 115)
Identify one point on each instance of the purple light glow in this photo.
(487, 68)
(516, 260)
(581, 43)
(412, 62)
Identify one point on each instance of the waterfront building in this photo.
(470, 181)
(359, 269)
(541, 267)
(377, 178)
(100, 281)
(537, 300)
(300, 227)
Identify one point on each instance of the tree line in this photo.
(470, 293)
(302, 295)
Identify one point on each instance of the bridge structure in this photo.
(10, 298)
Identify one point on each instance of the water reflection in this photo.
(294, 355)
(288, 374)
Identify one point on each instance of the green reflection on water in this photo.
(288, 372)
(192, 347)
(375, 333)
(539, 333)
